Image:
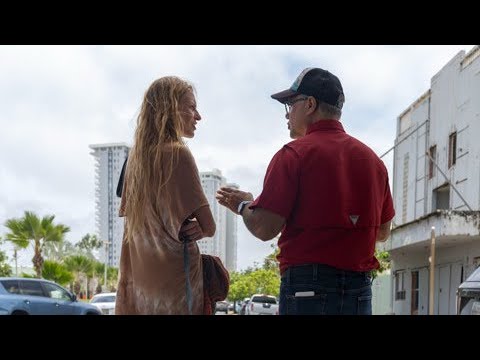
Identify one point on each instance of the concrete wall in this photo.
(382, 294)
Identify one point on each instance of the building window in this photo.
(441, 198)
(452, 149)
(431, 161)
(414, 298)
(400, 285)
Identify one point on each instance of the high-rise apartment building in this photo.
(109, 159)
(231, 238)
(224, 243)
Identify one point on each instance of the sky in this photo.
(57, 100)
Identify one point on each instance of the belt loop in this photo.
(315, 272)
(288, 275)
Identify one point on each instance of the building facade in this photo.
(109, 159)
(231, 238)
(224, 243)
(436, 177)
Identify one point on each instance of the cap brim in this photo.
(284, 95)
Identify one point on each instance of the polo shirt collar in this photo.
(325, 125)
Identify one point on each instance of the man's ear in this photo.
(312, 105)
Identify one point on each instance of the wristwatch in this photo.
(241, 206)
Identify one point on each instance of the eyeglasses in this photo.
(289, 103)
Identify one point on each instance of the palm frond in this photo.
(32, 225)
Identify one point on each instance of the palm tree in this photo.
(112, 276)
(56, 272)
(80, 266)
(30, 228)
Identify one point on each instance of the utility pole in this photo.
(106, 262)
(432, 273)
(15, 257)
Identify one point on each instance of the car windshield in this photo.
(264, 299)
(475, 275)
(102, 299)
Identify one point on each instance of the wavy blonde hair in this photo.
(159, 123)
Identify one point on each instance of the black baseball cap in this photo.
(316, 82)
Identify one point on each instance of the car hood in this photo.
(107, 305)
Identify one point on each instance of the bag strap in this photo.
(186, 267)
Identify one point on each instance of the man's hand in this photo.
(384, 231)
(191, 231)
(231, 198)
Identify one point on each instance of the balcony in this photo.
(452, 227)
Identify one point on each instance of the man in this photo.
(328, 194)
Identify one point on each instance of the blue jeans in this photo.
(324, 290)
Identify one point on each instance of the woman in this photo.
(163, 204)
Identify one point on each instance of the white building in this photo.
(224, 243)
(231, 238)
(436, 179)
(109, 159)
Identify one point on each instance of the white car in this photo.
(261, 304)
(105, 302)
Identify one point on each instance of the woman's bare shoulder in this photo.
(184, 153)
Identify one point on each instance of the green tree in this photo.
(240, 287)
(5, 269)
(271, 262)
(56, 272)
(253, 281)
(28, 276)
(80, 266)
(383, 258)
(57, 251)
(88, 244)
(112, 275)
(31, 229)
(265, 282)
(112, 278)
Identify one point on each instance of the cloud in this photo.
(56, 100)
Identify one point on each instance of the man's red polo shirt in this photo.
(333, 190)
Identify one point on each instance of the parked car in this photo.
(468, 295)
(261, 304)
(26, 296)
(105, 302)
(221, 306)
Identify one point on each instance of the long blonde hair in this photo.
(159, 123)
